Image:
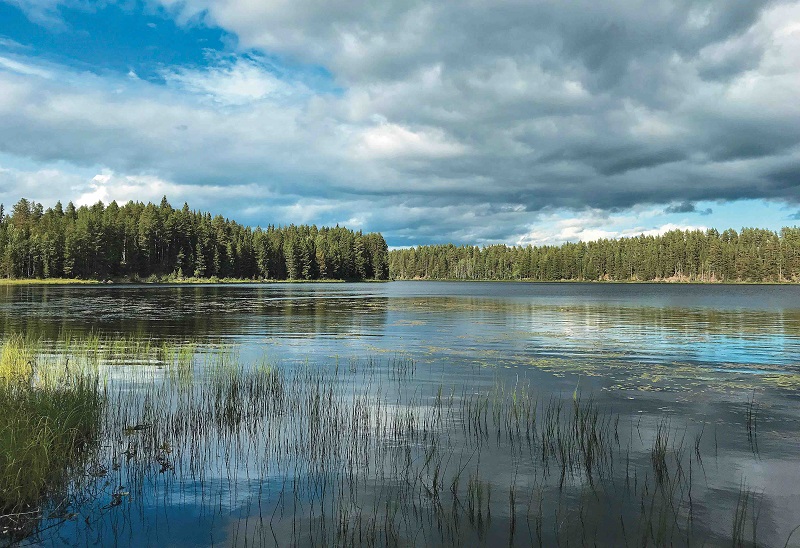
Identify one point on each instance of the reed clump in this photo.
(49, 417)
(16, 361)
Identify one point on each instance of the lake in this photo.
(434, 413)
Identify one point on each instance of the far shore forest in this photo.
(749, 255)
(142, 242)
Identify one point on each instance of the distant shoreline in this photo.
(211, 281)
(600, 282)
(164, 281)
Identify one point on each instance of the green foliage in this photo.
(139, 241)
(751, 255)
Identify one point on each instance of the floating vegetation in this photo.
(360, 452)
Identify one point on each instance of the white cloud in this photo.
(66, 184)
(391, 141)
(235, 82)
(108, 186)
(23, 68)
(44, 185)
(11, 44)
(555, 228)
(44, 12)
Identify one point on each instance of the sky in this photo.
(471, 122)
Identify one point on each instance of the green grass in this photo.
(49, 414)
(215, 280)
(46, 281)
(155, 279)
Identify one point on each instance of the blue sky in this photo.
(110, 39)
(535, 122)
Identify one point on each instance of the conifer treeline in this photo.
(139, 241)
(752, 254)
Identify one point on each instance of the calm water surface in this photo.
(697, 356)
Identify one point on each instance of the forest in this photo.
(749, 255)
(140, 241)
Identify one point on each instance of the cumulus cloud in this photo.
(138, 128)
(392, 140)
(595, 225)
(576, 104)
(464, 122)
(108, 186)
(37, 184)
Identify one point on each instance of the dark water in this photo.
(696, 356)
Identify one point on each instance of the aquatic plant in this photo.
(49, 417)
(366, 454)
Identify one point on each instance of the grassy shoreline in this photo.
(46, 281)
(629, 282)
(163, 281)
(204, 281)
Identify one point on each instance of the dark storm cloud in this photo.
(687, 207)
(787, 177)
(683, 207)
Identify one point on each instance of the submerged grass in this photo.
(353, 454)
